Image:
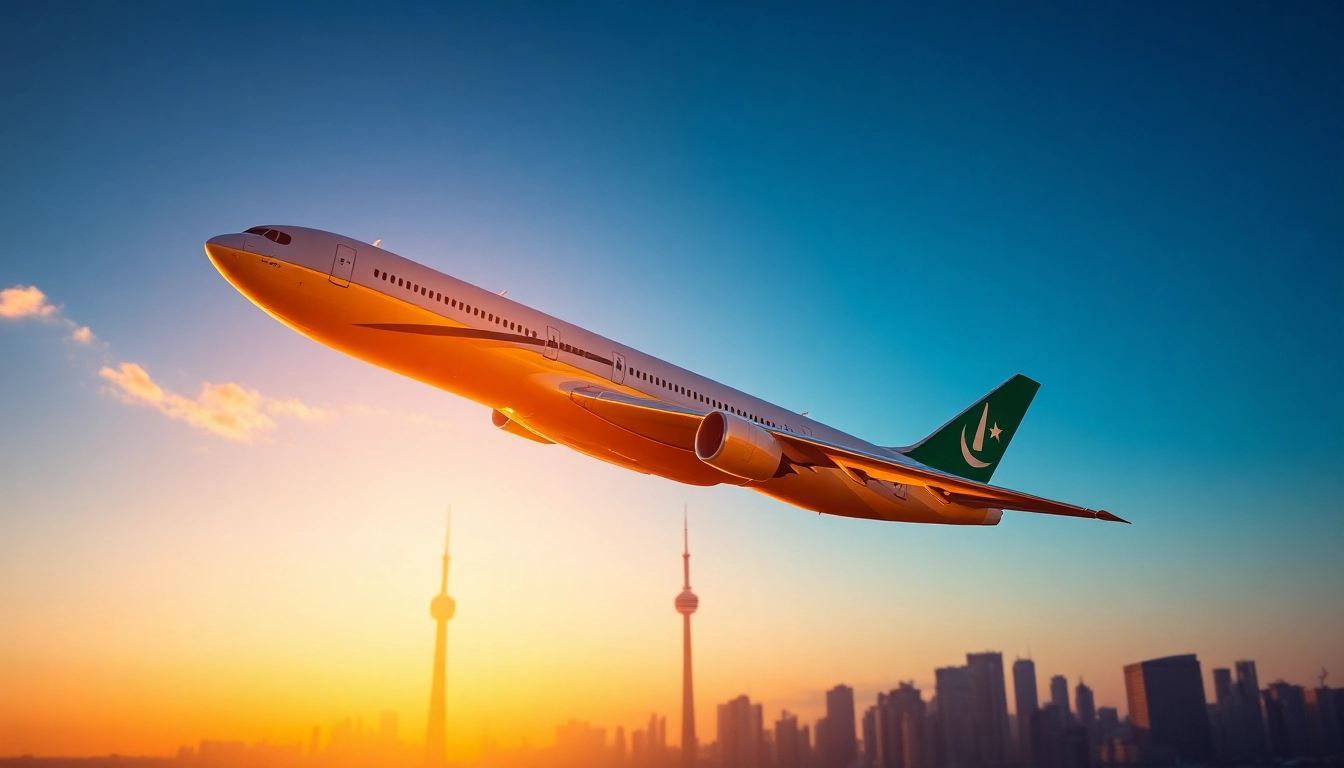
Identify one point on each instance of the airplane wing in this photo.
(676, 426)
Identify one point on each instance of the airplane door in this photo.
(618, 367)
(342, 266)
(552, 350)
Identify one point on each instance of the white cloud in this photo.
(83, 335)
(227, 410)
(20, 302)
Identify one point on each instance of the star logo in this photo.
(994, 431)
(979, 443)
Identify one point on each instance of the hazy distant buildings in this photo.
(1167, 710)
(838, 745)
(989, 703)
(1086, 707)
(740, 734)
(1248, 713)
(1286, 720)
(1025, 702)
(790, 749)
(956, 748)
(895, 730)
(1325, 721)
(1059, 694)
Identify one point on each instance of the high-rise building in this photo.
(1250, 715)
(1325, 727)
(989, 706)
(955, 718)
(840, 746)
(686, 603)
(790, 750)
(1286, 720)
(1059, 695)
(898, 729)
(1167, 710)
(1024, 699)
(740, 734)
(1086, 707)
(442, 608)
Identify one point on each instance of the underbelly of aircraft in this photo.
(526, 386)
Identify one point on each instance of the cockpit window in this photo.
(274, 235)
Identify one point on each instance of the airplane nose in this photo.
(223, 247)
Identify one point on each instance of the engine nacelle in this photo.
(735, 445)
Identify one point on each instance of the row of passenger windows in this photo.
(645, 376)
(454, 303)
(665, 384)
(274, 235)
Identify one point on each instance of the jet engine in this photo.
(740, 447)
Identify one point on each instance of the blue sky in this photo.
(875, 214)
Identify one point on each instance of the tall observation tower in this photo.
(442, 608)
(686, 603)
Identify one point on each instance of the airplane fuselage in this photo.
(523, 364)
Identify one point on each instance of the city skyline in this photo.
(213, 528)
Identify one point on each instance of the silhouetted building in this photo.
(1249, 713)
(1059, 695)
(686, 603)
(1286, 720)
(1226, 729)
(1024, 699)
(1325, 721)
(899, 729)
(989, 702)
(578, 743)
(789, 747)
(955, 718)
(839, 744)
(1166, 709)
(1057, 742)
(740, 737)
(1086, 708)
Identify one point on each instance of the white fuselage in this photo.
(393, 312)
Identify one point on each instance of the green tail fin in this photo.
(971, 444)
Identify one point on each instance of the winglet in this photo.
(1104, 515)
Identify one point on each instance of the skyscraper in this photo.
(898, 729)
(1059, 695)
(442, 608)
(1086, 708)
(790, 748)
(686, 603)
(1167, 709)
(840, 745)
(740, 733)
(1251, 717)
(953, 689)
(1024, 698)
(989, 703)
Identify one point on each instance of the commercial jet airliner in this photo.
(553, 382)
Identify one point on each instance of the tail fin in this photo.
(971, 444)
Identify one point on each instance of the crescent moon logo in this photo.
(979, 442)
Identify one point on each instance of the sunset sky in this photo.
(212, 527)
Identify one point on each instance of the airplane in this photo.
(553, 382)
